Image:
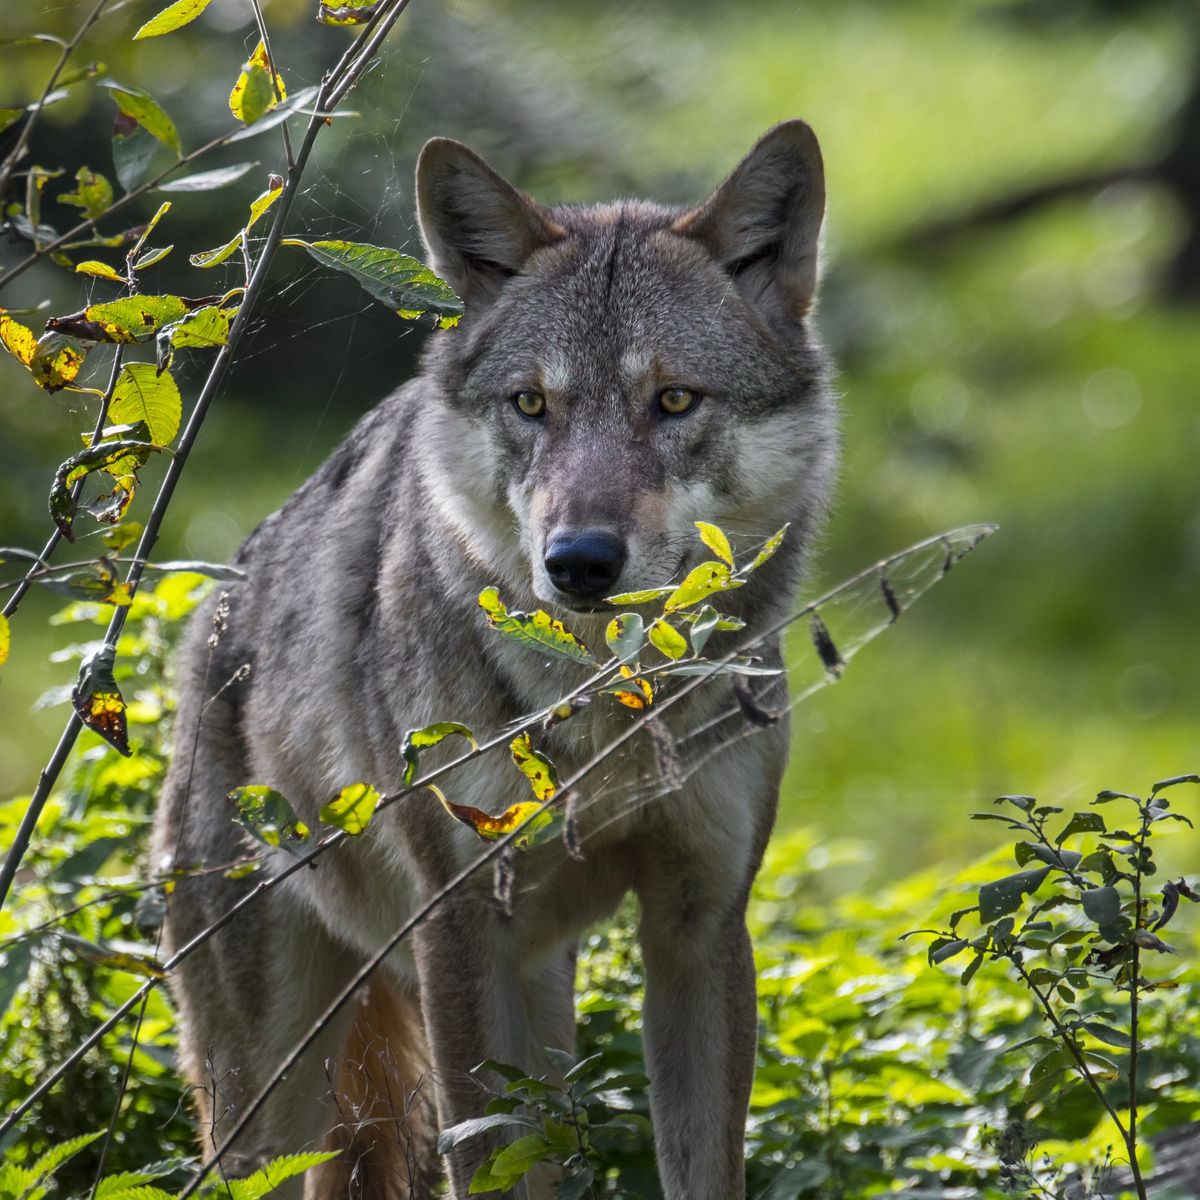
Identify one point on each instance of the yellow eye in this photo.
(530, 404)
(676, 401)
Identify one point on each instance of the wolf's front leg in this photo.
(700, 1026)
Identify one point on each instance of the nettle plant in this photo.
(1079, 928)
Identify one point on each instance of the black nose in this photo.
(586, 563)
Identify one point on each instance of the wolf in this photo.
(622, 371)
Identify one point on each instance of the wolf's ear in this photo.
(478, 229)
(763, 223)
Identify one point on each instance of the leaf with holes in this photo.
(98, 702)
(536, 767)
(527, 815)
(768, 551)
(125, 321)
(114, 456)
(537, 630)
(405, 284)
(173, 17)
(416, 740)
(352, 808)
(268, 817)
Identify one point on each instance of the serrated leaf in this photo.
(173, 17)
(416, 740)
(352, 808)
(141, 107)
(100, 269)
(716, 541)
(526, 815)
(536, 767)
(625, 636)
(143, 394)
(667, 640)
(268, 817)
(537, 630)
(98, 701)
(253, 94)
(271, 1174)
(700, 583)
(207, 181)
(93, 193)
(404, 284)
(203, 328)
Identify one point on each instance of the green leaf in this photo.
(625, 636)
(972, 969)
(98, 702)
(203, 328)
(464, 1131)
(216, 256)
(14, 968)
(416, 740)
(1081, 822)
(142, 394)
(271, 1174)
(99, 269)
(93, 193)
(537, 630)
(115, 957)
(8, 116)
(173, 17)
(120, 457)
(947, 950)
(536, 767)
(136, 152)
(1102, 905)
(716, 541)
(506, 1166)
(268, 817)
(768, 551)
(707, 621)
(1004, 896)
(700, 583)
(141, 107)
(352, 808)
(667, 640)
(253, 94)
(207, 181)
(576, 1186)
(1107, 1034)
(126, 321)
(404, 284)
(642, 597)
(151, 257)
(85, 71)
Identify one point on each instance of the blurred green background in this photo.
(1012, 291)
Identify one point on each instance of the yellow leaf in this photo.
(638, 700)
(173, 17)
(247, 101)
(5, 639)
(539, 770)
(667, 639)
(352, 808)
(99, 269)
(769, 547)
(18, 340)
(416, 740)
(537, 630)
(716, 541)
(142, 394)
(705, 579)
(526, 815)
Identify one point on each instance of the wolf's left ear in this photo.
(763, 223)
(478, 229)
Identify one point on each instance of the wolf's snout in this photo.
(585, 563)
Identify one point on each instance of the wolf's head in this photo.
(626, 369)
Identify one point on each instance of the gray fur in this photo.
(359, 622)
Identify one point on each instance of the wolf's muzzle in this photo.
(585, 562)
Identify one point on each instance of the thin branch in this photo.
(266, 41)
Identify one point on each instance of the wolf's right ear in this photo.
(763, 223)
(477, 228)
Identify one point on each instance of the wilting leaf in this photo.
(252, 94)
(173, 17)
(700, 583)
(127, 320)
(347, 12)
(536, 767)
(667, 639)
(142, 394)
(104, 456)
(19, 340)
(100, 269)
(207, 181)
(404, 284)
(538, 630)
(625, 635)
(1004, 896)
(638, 695)
(116, 958)
(93, 193)
(268, 817)
(352, 808)
(516, 816)
(772, 544)
(53, 361)
(141, 107)
(98, 584)
(98, 702)
(416, 740)
(5, 639)
(716, 541)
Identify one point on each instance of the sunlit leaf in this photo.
(215, 257)
(625, 636)
(642, 597)
(80, 74)
(115, 957)
(638, 695)
(771, 545)
(127, 320)
(416, 740)
(538, 630)
(57, 362)
(8, 116)
(141, 107)
(267, 816)
(122, 537)
(98, 701)
(527, 815)
(207, 181)
(404, 284)
(151, 257)
(700, 583)
(173, 17)
(347, 12)
(203, 328)
(716, 541)
(253, 94)
(352, 808)
(142, 394)
(536, 767)
(18, 339)
(100, 269)
(93, 193)
(5, 639)
(667, 639)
